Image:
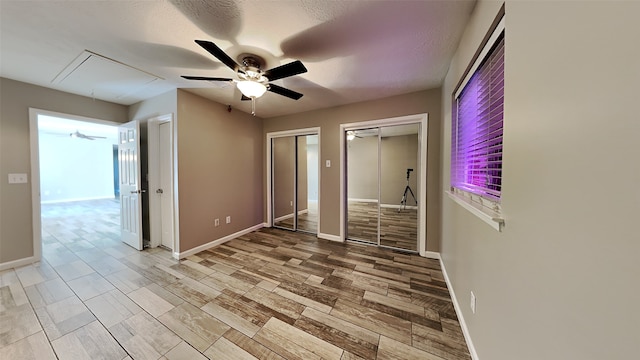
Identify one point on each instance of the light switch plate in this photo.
(17, 178)
(328, 163)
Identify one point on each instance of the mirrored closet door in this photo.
(284, 178)
(363, 188)
(295, 182)
(382, 185)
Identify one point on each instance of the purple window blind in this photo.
(476, 158)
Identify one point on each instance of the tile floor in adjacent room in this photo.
(270, 294)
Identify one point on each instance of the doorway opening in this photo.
(293, 180)
(73, 187)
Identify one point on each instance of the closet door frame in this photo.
(421, 119)
(269, 152)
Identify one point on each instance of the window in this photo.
(477, 123)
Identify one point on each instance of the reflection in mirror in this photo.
(308, 183)
(283, 163)
(398, 186)
(362, 185)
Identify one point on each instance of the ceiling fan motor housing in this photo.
(252, 65)
(251, 61)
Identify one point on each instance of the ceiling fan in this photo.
(252, 81)
(79, 135)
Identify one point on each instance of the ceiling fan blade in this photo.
(290, 69)
(206, 78)
(284, 92)
(79, 135)
(214, 50)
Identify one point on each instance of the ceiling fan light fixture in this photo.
(252, 89)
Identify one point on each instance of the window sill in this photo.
(495, 220)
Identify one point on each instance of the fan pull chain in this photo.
(253, 105)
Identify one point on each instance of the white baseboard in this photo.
(390, 206)
(456, 306)
(329, 237)
(432, 255)
(18, 263)
(363, 200)
(289, 216)
(285, 217)
(398, 206)
(217, 242)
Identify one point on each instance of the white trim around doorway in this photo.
(421, 119)
(155, 218)
(279, 134)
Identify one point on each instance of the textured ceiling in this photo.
(354, 50)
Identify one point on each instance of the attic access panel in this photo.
(94, 75)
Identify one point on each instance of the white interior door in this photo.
(130, 185)
(166, 185)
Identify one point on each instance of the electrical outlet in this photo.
(216, 222)
(17, 178)
(473, 302)
(228, 219)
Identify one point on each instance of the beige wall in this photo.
(329, 121)
(159, 105)
(397, 154)
(220, 162)
(16, 234)
(362, 168)
(561, 280)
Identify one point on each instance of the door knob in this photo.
(159, 191)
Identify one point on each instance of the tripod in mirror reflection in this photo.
(407, 191)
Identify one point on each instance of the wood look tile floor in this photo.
(398, 227)
(271, 294)
(307, 221)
